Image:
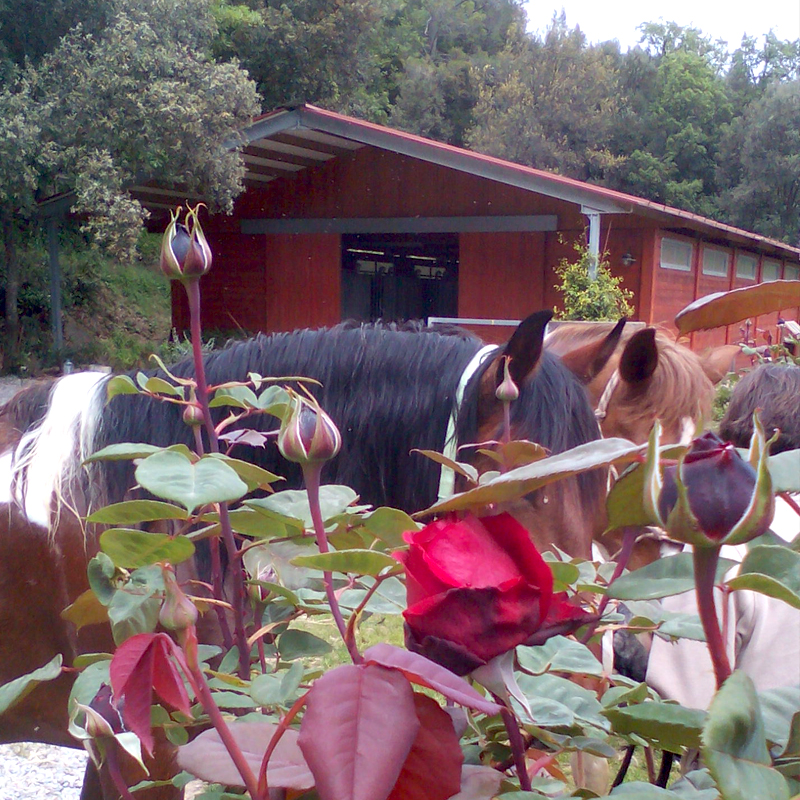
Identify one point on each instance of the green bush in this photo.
(585, 299)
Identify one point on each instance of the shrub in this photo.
(585, 299)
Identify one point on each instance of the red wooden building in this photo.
(347, 219)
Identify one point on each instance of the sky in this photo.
(618, 19)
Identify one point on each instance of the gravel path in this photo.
(40, 772)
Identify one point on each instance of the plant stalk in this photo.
(311, 475)
(705, 568)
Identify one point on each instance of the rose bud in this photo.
(507, 391)
(476, 588)
(713, 496)
(184, 249)
(308, 435)
(177, 612)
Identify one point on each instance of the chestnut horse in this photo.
(389, 390)
(648, 376)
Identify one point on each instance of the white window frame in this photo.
(748, 257)
(770, 262)
(677, 265)
(714, 270)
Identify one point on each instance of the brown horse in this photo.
(649, 376)
(388, 390)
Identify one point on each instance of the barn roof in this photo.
(287, 141)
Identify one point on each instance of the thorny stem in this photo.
(628, 541)
(705, 568)
(238, 600)
(517, 746)
(311, 474)
(116, 774)
(188, 640)
(283, 725)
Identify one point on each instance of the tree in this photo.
(551, 104)
(764, 193)
(138, 99)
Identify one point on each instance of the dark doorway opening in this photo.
(397, 276)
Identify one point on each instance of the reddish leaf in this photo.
(206, 757)
(358, 729)
(425, 672)
(432, 770)
(725, 308)
(140, 665)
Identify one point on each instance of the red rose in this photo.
(476, 588)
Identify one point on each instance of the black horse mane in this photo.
(389, 388)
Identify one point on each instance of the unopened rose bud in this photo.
(178, 612)
(507, 391)
(192, 413)
(308, 435)
(184, 249)
(714, 496)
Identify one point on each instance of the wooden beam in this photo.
(526, 223)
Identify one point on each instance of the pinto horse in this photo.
(389, 390)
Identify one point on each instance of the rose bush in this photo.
(476, 588)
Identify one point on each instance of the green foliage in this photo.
(584, 298)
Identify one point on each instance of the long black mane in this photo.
(389, 390)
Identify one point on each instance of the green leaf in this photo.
(662, 578)
(465, 470)
(357, 562)
(559, 654)
(778, 708)
(237, 396)
(100, 572)
(251, 523)
(272, 561)
(171, 475)
(133, 548)
(516, 483)
(559, 703)
(254, 476)
(14, 691)
(274, 689)
(624, 503)
(735, 747)
(135, 606)
(389, 525)
(668, 726)
(772, 570)
(292, 504)
(785, 470)
(388, 598)
(296, 644)
(124, 452)
(120, 384)
(160, 386)
(131, 512)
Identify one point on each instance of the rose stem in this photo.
(311, 475)
(705, 569)
(517, 746)
(628, 541)
(238, 601)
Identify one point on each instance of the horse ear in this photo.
(719, 361)
(525, 347)
(639, 358)
(587, 362)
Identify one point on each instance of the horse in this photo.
(650, 376)
(389, 391)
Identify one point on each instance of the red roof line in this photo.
(600, 191)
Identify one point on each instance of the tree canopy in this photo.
(102, 93)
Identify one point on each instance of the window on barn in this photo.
(397, 277)
(770, 270)
(746, 265)
(715, 262)
(791, 273)
(676, 254)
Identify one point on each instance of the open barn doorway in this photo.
(399, 276)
